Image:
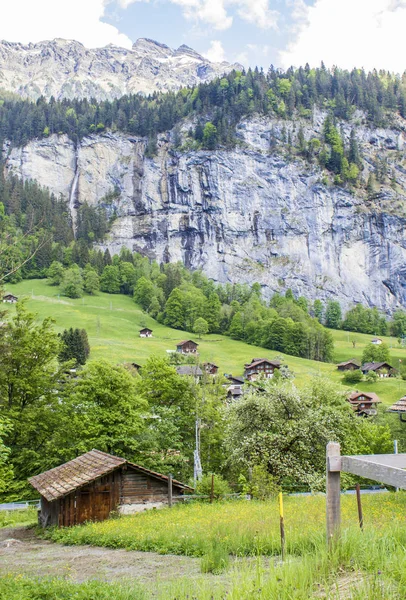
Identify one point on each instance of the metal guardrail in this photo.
(20, 505)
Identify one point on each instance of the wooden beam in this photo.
(389, 460)
(332, 494)
(365, 467)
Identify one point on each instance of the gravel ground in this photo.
(22, 552)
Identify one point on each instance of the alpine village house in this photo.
(91, 486)
(349, 365)
(187, 347)
(364, 403)
(261, 366)
(145, 333)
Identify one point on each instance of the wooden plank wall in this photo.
(139, 487)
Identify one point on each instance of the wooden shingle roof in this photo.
(80, 471)
(62, 480)
(352, 361)
(399, 406)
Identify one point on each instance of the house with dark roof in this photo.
(382, 369)
(235, 380)
(376, 341)
(145, 333)
(364, 403)
(190, 370)
(234, 392)
(187, 347)
(91, 486)
(10, 298)
(261, 367)
(349, 365)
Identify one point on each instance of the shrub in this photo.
(262, 485)
(216, 560)
(353, 376)
(221, 487)
(371, 377)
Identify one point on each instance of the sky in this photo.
(345, 33)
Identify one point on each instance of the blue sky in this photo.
(252, 43)
(347, 33)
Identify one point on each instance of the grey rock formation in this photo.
(66, 69)
(243, 215)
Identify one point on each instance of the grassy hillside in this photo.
(113, 323)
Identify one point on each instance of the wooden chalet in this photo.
(382, 369)
(10, 298)
(261, 367)
(364, 403)
(145, 333)
(90, 487)
(187, 347)
(376, 341)
(210, 368)
(349, 365)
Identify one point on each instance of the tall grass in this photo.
(242, 528)
(24, 588)
(12, 518)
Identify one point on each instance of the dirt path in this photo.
(22, 552)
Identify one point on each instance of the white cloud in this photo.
(216, 14)
(258, 13)
(349, 33)
(36, 20)
(216, 52)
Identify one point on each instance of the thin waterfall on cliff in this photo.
(73, 198)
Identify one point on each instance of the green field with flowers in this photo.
(113, 322)
(368, 565)
(241, 527)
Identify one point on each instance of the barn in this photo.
(187, 347)
(349, 365)
(90, 487)
(145, 333)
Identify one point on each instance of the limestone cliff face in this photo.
(244, 215)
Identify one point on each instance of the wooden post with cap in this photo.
(333, 508)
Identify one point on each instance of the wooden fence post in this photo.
(332, 491)
(170, 490)
(282, 525)
(359, 505)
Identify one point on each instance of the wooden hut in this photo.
(187, 347)
(349, 365)
(261, 366)
(145, 333)
(90, 487)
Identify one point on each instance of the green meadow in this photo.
(113, 323)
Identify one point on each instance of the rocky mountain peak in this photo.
(67, 69)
